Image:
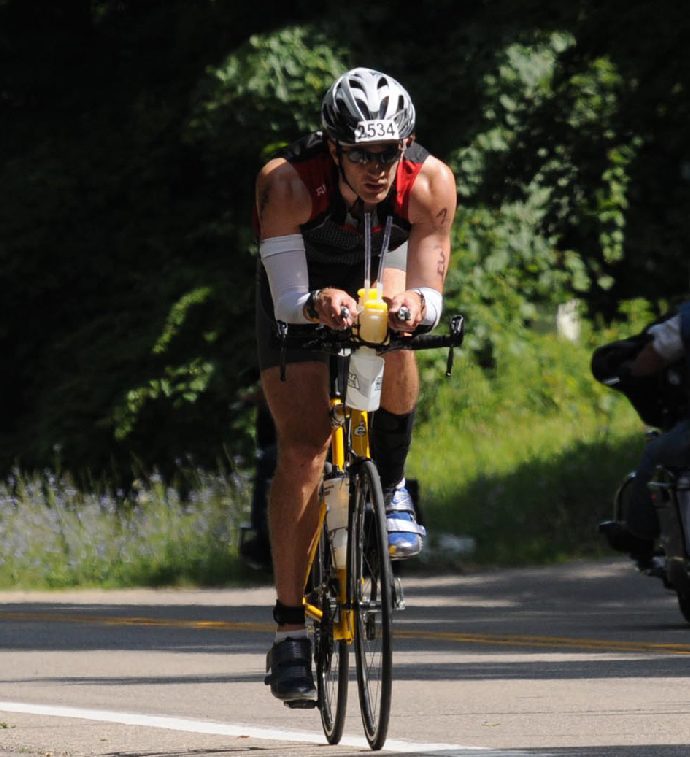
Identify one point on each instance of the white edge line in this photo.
(219, 729)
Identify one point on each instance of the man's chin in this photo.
(374, 195)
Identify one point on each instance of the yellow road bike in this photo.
(350, 590)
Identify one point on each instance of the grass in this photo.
(523, 457)
(52, 535)
(524, 460)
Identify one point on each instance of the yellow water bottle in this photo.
(373, 316)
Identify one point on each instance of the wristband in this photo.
(432, 305)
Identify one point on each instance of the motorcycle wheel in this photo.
(684, 604)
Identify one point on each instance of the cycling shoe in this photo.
(288, 671)
(405, 535)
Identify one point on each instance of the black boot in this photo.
(622, 540)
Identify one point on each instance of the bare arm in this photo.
(283, 204)
(432, 209)
(282, 200)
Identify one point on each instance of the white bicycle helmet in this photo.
(364, 106)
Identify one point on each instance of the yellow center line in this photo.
(112, 620)
(487, 639)
(526, 640)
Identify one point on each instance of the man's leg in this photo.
(392, 426)
(393, 421)
(391, 437)
(300, 411)
(637, 534)
(257, 549)
(671, 449)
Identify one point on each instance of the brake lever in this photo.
(450, 361)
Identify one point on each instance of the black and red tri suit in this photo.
(333, 237)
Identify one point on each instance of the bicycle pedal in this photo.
(398, 596)
(302, 704)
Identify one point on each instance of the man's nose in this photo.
(375, 165)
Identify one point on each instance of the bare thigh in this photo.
(299, 405)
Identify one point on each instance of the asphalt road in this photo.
(582, 659)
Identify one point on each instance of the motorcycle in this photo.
(660, 401)
(670, 561)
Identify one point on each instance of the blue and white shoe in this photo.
(405, 535)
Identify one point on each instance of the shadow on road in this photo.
(302, 750)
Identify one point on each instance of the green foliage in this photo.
(53, 535)
(132, 135)
(266, 91)
(143, 253)
(516, 188)
(525, 460)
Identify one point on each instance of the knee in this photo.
(303, 451)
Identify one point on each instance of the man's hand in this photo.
(648, 362)
(405, 311)
(330, 304)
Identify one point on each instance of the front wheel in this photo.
(372, 601)
(330, 655)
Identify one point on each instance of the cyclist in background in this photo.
(669, 344)
(310, 205)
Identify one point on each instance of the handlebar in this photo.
(404, 313)
(323, 339)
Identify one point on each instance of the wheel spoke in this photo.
(373, 604)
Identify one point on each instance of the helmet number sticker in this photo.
(368, 131)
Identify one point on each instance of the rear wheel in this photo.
(684, 604)
(371, 589)
(330, 655)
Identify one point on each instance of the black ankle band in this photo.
(285, 615)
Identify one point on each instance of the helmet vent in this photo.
(384, 108)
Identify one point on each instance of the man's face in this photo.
(369, 168)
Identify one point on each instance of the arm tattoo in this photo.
(441, 265)
(441, 216)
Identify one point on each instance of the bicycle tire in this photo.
(371, 574)
(684, 604)
(330, 656)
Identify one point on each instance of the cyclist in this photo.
(669, 344)
(256, 548)
(310, 206)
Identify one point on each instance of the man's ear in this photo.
(333, 149)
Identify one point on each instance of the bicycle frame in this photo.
(354, 423)
(349, 436)
(352, 605)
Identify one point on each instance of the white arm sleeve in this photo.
(285, 262)
(667, 339)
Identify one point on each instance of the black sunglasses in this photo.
(386, 157)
